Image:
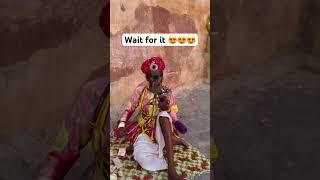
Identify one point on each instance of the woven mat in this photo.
(189, 163)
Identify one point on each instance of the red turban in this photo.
(154, 63)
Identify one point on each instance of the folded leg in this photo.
(146, 154)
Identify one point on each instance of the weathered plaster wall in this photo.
(184, 64)
(48, 49)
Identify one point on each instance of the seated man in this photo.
(152, 130)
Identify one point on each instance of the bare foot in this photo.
(184, 143)
(173, 175)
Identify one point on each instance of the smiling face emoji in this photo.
(191, 39)
(172, 39)
(181, 39)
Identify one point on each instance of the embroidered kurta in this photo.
(145, 122)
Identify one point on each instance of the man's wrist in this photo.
(121, 124)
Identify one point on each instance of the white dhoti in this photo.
(149, 154)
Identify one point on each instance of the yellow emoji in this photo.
(172, 39)
(191, 39)
(181, 39)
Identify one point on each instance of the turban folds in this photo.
(153, 64)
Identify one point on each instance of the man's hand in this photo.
(179, 141)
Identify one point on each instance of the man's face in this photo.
(155, 78)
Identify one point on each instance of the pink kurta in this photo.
(145, 122)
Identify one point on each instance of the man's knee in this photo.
(143, 160)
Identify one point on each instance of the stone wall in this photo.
(184, 64)
(48, 49)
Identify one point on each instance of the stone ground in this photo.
(266, 121)
(20, 156)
